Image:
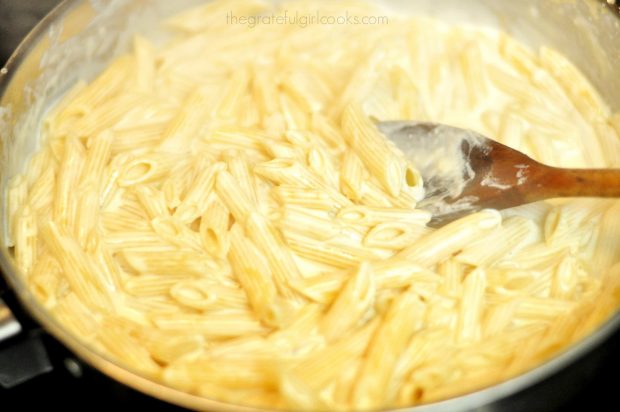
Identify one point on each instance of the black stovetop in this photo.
(74, 386)
(17, 17)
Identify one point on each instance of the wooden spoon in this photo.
(464, 171)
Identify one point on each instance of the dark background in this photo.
(86, 389)
(17, 17)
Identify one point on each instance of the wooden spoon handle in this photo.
(556, 182)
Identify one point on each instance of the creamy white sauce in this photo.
(522, 174)
(491, 181)
(439, 156)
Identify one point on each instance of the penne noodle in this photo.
(203, 295)
(332, 254)
(232, 196)
(172, 231)
(312, 225)
(453, 272)
(84, 277)
(151, 285)
(320, 162)
(87, 213)
(255, 277)
(137, 241)
(475, 73)
(279, 258)
(514, 234)
(212, 14)
(188, 121)
(469, 322)
(118, 342)
(394, 235)
(313, 199)
(402, 319)
(169, 349)
(42, 192)
(351, 304)
(143, 170)
(371, 216)
(370, 146)
(296, 117)
(326, 130)
(265, 91)
(68, 175)
(285, 150)
(193, 204)
(97, 156)
(76, 316)
(104, 87)
(213, 326)
(235, 89)
(324, 364)
(352, 176)
(438, 245)
(136, 137)
(105, 116)
(25, 240)
(175, 261)
(47, 281)
(152, 200)
(213, 229)
(246, 140)
(123, 222)
(321, 288)
(240, 169)
(291, 172)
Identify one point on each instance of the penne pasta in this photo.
(469, 322)
(436, 246)
(238, 227)
(351, 304)
(239, 168)
(402, 319)
(271, 244)
(352, 176)
(313, 199)
(83, 276)
(312, 225)
(77, 317)
(514, 234)
(152, 200)
(204, 295)
(255, 277)
(118, 342)
(232, 196)
(25, 240)
(174, 261)
(320, 162)
(213, 326)
(64, 204)
(380, 159)
(213, 229)
(371, 216)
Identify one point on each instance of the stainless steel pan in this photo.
(80, 36)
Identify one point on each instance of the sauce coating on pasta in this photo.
(220, 213)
